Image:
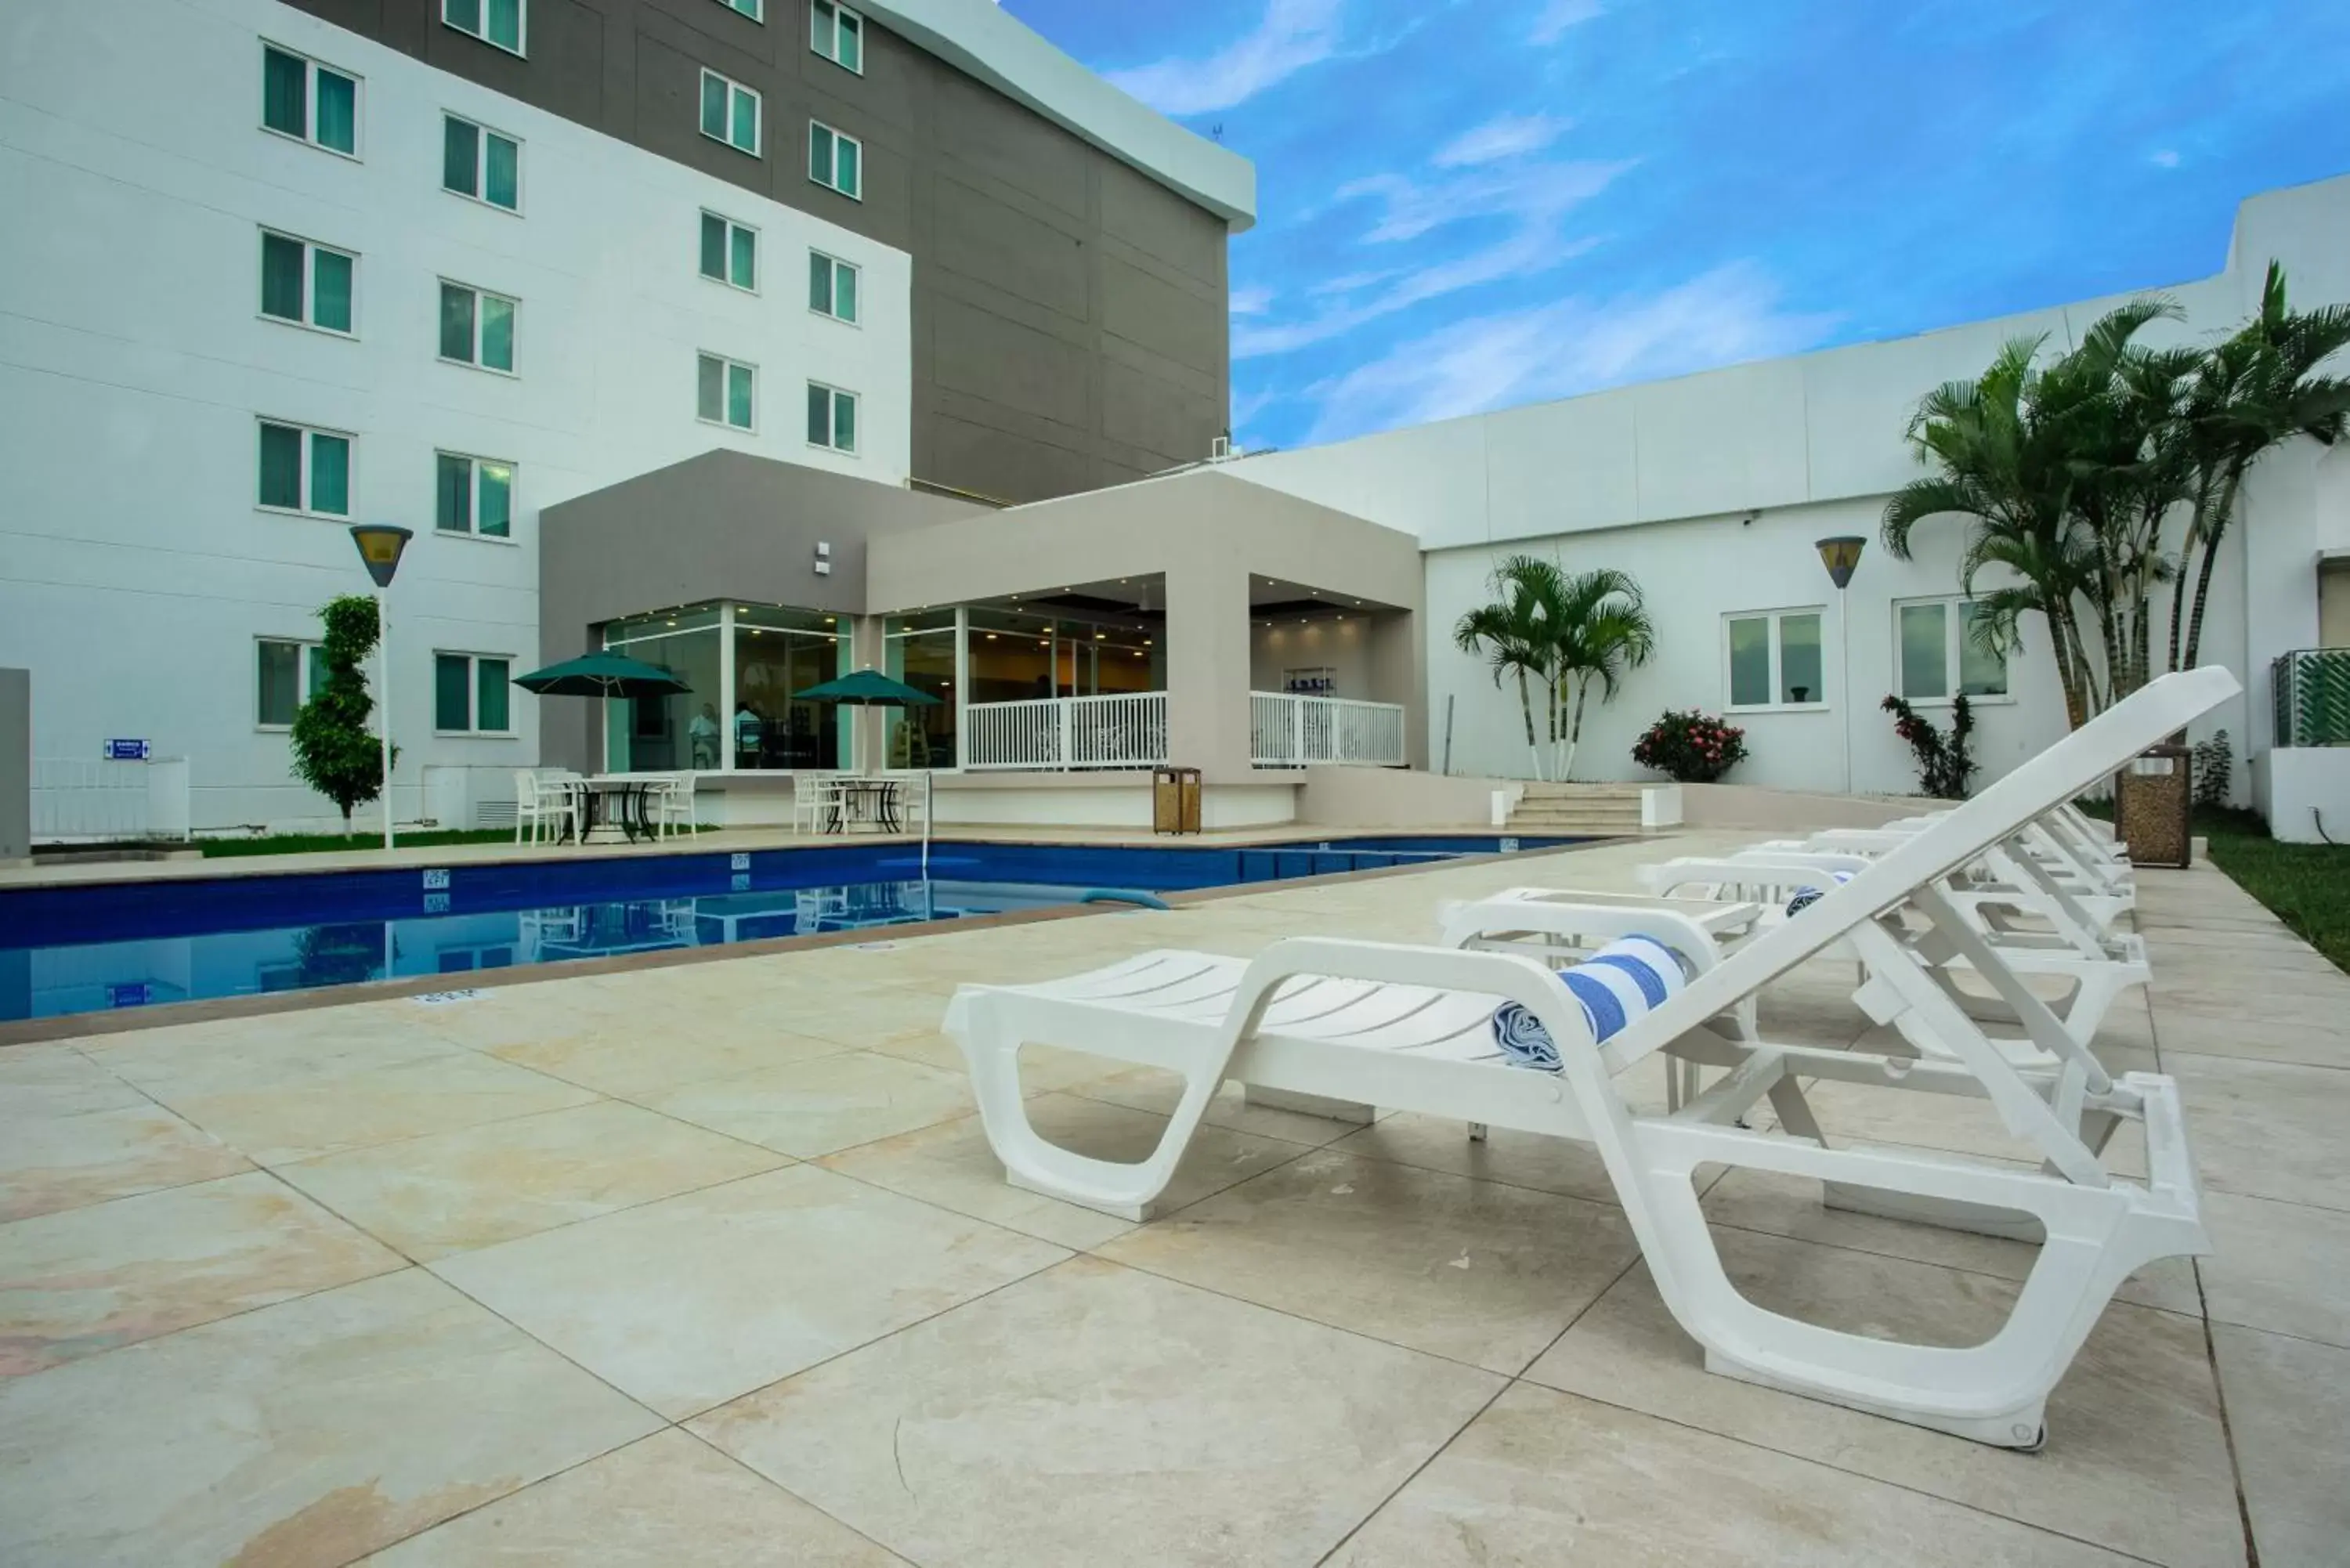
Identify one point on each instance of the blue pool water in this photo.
(93, 947)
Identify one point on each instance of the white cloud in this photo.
(1254, 300)
(1508, 137)
(1535, 201)
(1293, 34)
(1559, 17)
(1721, 318)
(2166, 159)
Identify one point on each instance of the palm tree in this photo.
(1602, 630)
(2120, 406)
(2002, 460)
(2256, 391)
(1517, 635)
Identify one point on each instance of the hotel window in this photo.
(477, 161)
(730, 251)
(305, 470)
(730, 113)
(308, 101)
(838, 34)
(726, 392)
(499, 22)
(751, 8)
(832, 418)
(305, 284)
(1774, 660)
(282, 689)
(476, 327)
(832, 286)
(835, 161)
(1938, 638)
(469, 694)
(472, 495)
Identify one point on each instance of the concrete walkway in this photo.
(710, 1264)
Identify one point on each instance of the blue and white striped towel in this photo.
(1620, 982)
(1807, 896)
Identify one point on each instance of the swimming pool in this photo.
(93, 947)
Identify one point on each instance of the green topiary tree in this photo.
(335, 753)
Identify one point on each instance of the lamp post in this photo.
(380, 545)
(1841, 556)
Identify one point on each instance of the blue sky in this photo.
(1466, 206)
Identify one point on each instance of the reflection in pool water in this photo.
(97, 976)
(91, 946)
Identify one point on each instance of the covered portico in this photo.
(1194, 619)
(1072, 645)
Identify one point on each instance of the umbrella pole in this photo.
(927, 799)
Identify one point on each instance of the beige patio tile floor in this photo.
(712, 1264)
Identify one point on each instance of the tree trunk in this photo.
(1526, 706)
(1575, 723)
(2218, 531)
(2068, 675)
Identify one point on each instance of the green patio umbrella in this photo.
(602, 675)
(867, 689)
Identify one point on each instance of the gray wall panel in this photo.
(1155, 220)
(986, 356)
(988, 240)
(1158, 316)
(1023, 236)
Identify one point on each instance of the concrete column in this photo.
(1399, 674)
(16, 769)
(870, 652)
(1208, 664)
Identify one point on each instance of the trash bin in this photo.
(2152, 798)
(1174, 800)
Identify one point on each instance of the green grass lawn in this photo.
(2307, 885)
(312, 843)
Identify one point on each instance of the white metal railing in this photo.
(78, 800)
(1288, 731)
(1063, 733)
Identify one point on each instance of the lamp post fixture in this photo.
(380, 545)
(1841, 556)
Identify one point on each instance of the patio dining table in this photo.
(614, 806)
(851, 799)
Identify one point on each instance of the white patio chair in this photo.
(544, 806)
(670, 806)
(813, 795)
(1414, 1028)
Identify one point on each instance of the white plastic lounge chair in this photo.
(2019, 875)
(1412, 1028)
(1734, 899)
(2065, 941)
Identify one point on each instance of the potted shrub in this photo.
(1690, 747)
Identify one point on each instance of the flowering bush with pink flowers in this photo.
(1692, 747)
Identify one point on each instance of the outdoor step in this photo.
(1584, 791)
(1608, 810)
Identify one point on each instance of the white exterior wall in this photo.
(136, 570)
(1656, 480)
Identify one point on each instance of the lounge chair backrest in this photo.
(2093, 752)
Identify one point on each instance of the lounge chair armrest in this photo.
(1506, 976)
(1560, 915)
